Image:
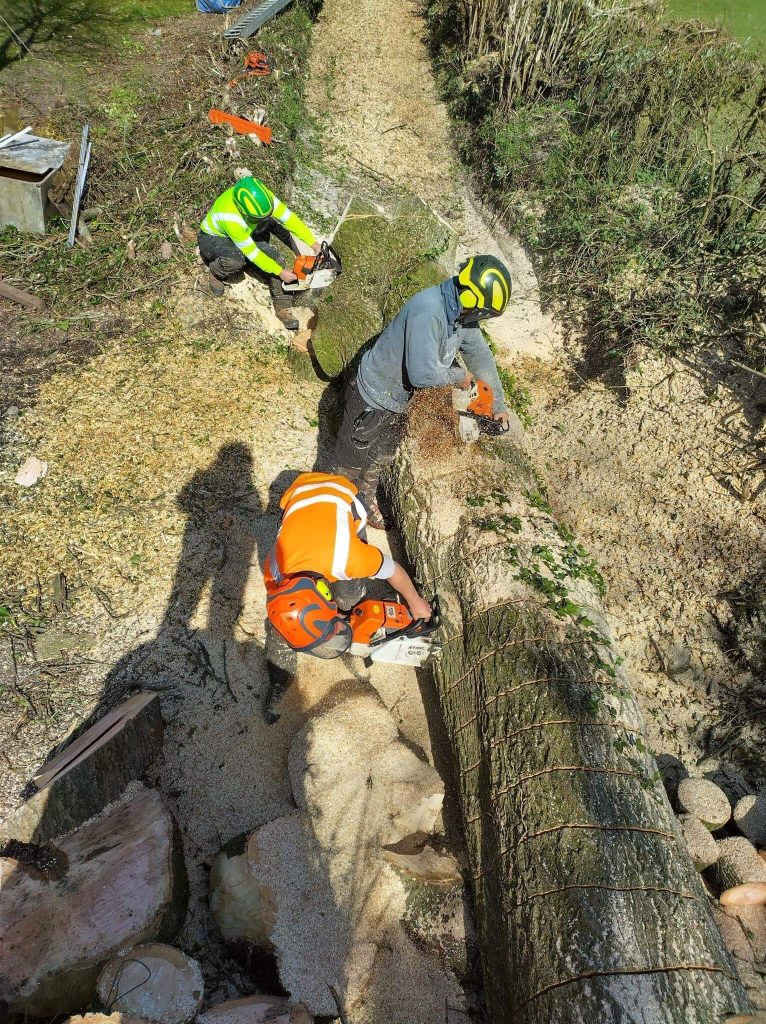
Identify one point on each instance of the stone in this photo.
(700, 843)
(154, 981)
(705, 801)
(166, 251)
(750, 817)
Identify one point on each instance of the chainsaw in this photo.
(386, 631)
(476, 403)
(315, 270)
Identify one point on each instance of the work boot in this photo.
(288, 318)
(215, 285)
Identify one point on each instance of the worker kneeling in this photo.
(316, 572)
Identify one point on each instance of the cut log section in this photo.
(106, 1018)
(738, 863)
(65, 909)
(705, 801)
(91, 771)
(255, 1010)
(154, 980)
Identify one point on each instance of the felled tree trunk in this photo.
(587, 903)
(68, 906)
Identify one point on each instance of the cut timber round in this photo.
(703, 849)
(738, 863)
(67, 908)
(236, 902)
(750, 817)
(751, 894)
(253, 1010)
(90, 772)
(705, 801)
(106, 1018)
(349, 756)
(154, 981)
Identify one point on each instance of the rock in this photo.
(750, 894)
(32, 471)
(90, 772)
(154, 981)
(253, 1010)
(738, 863)
(67, 907)
(750, 817)
(166, 251)
(705, 801)
(427, 866)
(701, 845)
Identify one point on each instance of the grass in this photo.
(73, 29)
(156, 159)
(744, 19)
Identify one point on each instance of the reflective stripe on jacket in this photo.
(224, 219)
(319, 533)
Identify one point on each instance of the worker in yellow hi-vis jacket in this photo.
(237, 230)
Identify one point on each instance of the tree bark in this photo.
(68, 907)
(90, 772)
(588, 906)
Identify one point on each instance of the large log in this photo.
(587, 903)
(588, 906)
(67, 907)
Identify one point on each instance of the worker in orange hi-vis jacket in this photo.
(315, 572)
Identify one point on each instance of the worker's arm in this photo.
(402, 583)
(239, 232)
(293, 223)
(422, 351)
(481, 364)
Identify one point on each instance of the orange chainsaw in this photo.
(386, 631)
(315, 270)
(476, 403)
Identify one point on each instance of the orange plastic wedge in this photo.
(241, 125)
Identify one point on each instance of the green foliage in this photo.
(630, 155)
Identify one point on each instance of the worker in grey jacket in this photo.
(418, 349)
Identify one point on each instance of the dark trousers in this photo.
(226, 261)
(366, 442)
(282, 660)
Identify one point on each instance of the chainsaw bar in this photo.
(486, 424)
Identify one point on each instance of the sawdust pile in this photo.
(122, 437)
(433, 422)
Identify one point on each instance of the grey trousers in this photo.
(282, 660)
(366, 442)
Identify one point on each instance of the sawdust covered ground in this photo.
(660, 483)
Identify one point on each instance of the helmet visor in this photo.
(335, 644)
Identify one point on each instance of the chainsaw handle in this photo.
(418, 627)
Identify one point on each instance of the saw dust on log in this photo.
(433, 422)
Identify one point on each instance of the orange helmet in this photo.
(301, 610)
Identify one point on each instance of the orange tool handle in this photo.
(241, 125)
